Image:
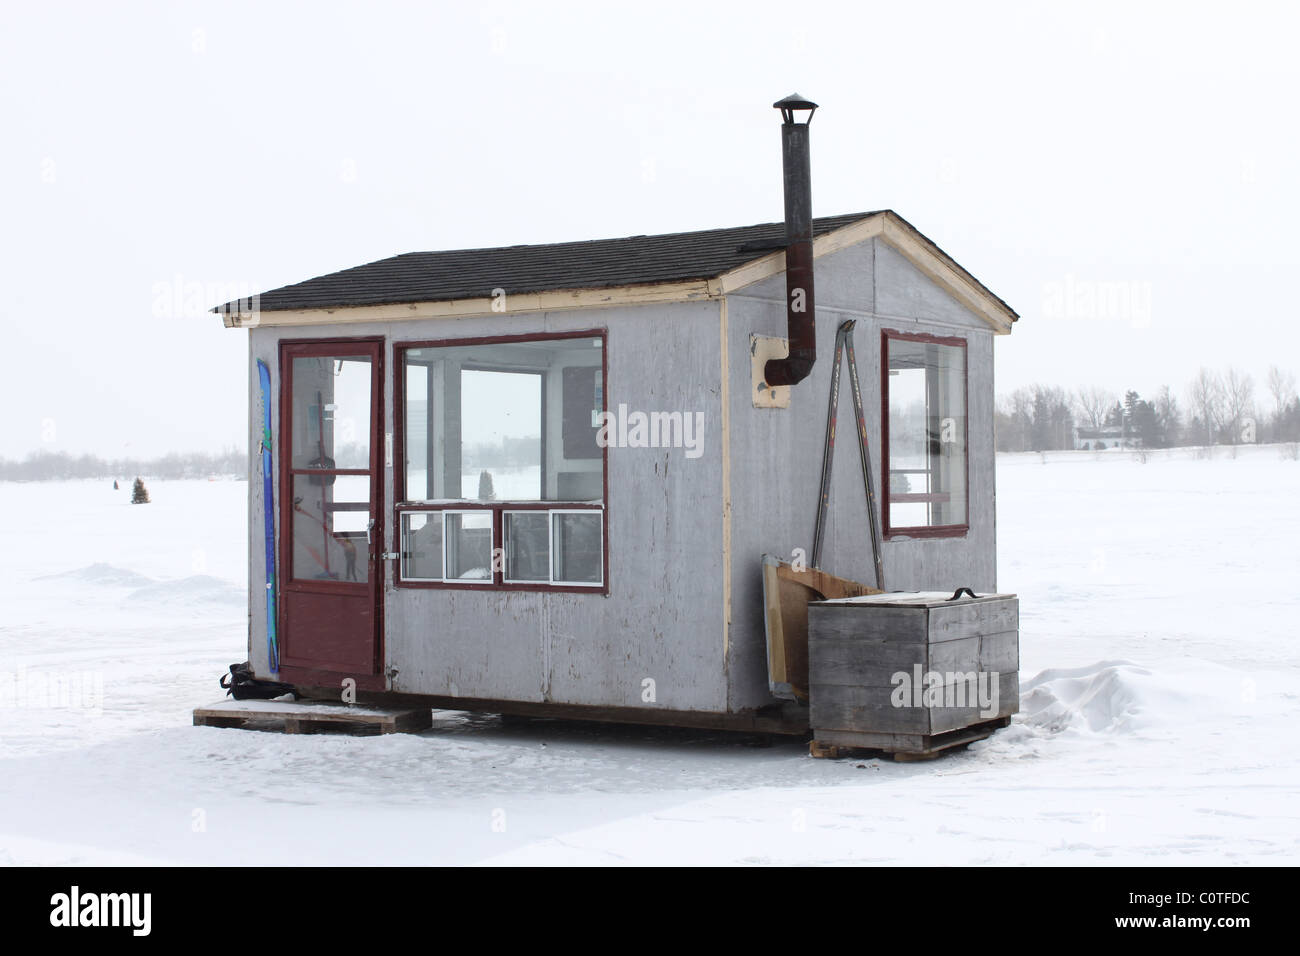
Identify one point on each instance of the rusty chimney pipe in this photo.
(800, 323)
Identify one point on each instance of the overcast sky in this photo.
(1125, 179)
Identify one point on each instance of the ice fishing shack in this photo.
(580, 479)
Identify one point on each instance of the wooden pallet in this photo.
(832, 745)
(313, 717)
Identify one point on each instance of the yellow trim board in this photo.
(725, 438)
(560, 300)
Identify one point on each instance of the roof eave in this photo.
(557, 300)
(917, 248)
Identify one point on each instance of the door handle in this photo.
(370, 526)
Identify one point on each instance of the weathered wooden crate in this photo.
(912, 672)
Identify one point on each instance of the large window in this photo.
(924, 432)
(502, 479)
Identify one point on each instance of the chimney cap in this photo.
(794, 102)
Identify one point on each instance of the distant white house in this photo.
(1098, 439)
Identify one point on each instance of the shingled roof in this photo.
(594, 264)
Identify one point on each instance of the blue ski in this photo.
(268, 501)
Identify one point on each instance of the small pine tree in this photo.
(485, 490)
(139, 494)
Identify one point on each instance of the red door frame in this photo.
(306, 673)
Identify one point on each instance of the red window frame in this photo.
(923, 531)
(498, 582)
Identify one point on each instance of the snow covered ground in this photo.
(1159, 603)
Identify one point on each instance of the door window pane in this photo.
(330, 518)
(331, 411)
(577, 537)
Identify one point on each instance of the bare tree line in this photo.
(1220, 408)
(56, 465)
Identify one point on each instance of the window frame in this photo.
(922, 531)
(505, 547)
(498, 580)
(401, 506)
(570, 510)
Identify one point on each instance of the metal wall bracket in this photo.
(761, 349)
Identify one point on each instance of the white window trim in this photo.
(600, 564)
(505, 544)
(507, 582)
(442, 513)
(402, 548)
(491, 578)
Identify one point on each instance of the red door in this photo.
(330, 512)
